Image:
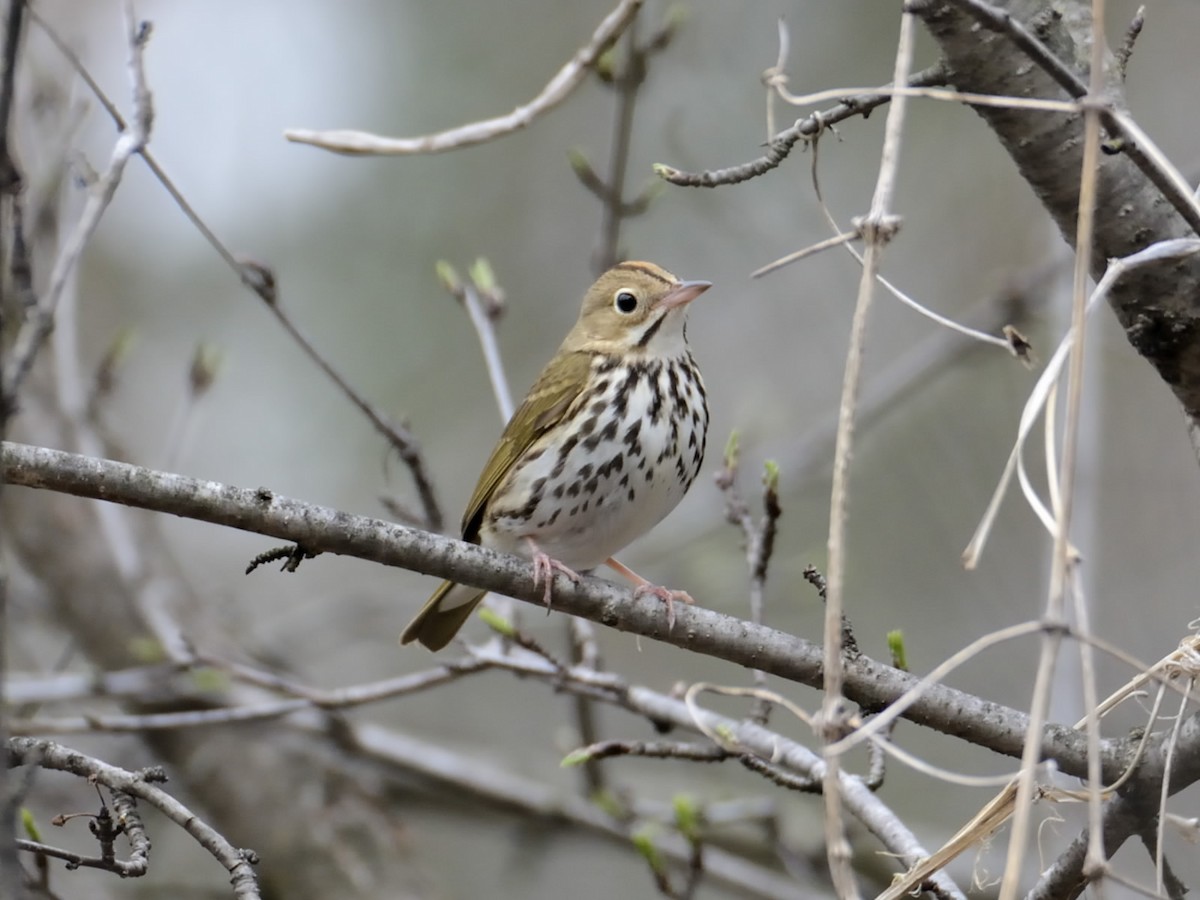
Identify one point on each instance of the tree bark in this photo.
(1157, 305)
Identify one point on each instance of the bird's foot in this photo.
(643, 588)
(666, 595)
(544, 568)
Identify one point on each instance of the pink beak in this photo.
(684, 293)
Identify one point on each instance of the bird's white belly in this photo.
(609, 476)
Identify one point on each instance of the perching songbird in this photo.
(607, 442)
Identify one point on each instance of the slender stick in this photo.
(1061, 560)
(878, 228)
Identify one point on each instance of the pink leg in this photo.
(645, 588)
(544, 568)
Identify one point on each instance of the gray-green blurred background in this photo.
(353, 244)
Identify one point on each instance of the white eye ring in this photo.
(625, 302)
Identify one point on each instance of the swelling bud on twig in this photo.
(112, 362)
(575, 757)
(688, 816)
(770, 477)
(643, 842)
(447, 276)
(483, 276)
(206, 363)
(498, 624)
(580, 164)
(895, 642)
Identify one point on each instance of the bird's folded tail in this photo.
(442, 615)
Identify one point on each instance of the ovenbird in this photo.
(606, 443)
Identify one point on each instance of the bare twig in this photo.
(779, 147)
(813, 576)
(627, 82)
(260, 279)
(742, 735)
(1125, 51)
(302, 698)
(1161, 868)
(49, 755)
(472, 294)
(561, 86)
(649, 749)
(131, 141)
(627, 79)
(14, 258)
(1063, 559)
(878, 228)
(483, 779)
(759, 539)
(106, 827)
(805, 252)
(585, 652)
(11, 180)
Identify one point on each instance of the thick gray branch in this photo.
(1134, 812)
(318, 528)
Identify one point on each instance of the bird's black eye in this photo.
(625, 302)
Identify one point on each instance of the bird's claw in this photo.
(544, 568)
(667, 596)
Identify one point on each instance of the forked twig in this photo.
(131, 141)
(49, 755)
(260, 279)
(561, 86)
(780, 146)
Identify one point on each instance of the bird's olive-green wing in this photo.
(559, 385)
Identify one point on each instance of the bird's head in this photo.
(635, 307)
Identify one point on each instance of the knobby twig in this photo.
(49, 755)
(780, 146)
(106, 827)
(561, 86)
(1125, 51)
(759, 539)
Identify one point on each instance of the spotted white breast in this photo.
(621, 459)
